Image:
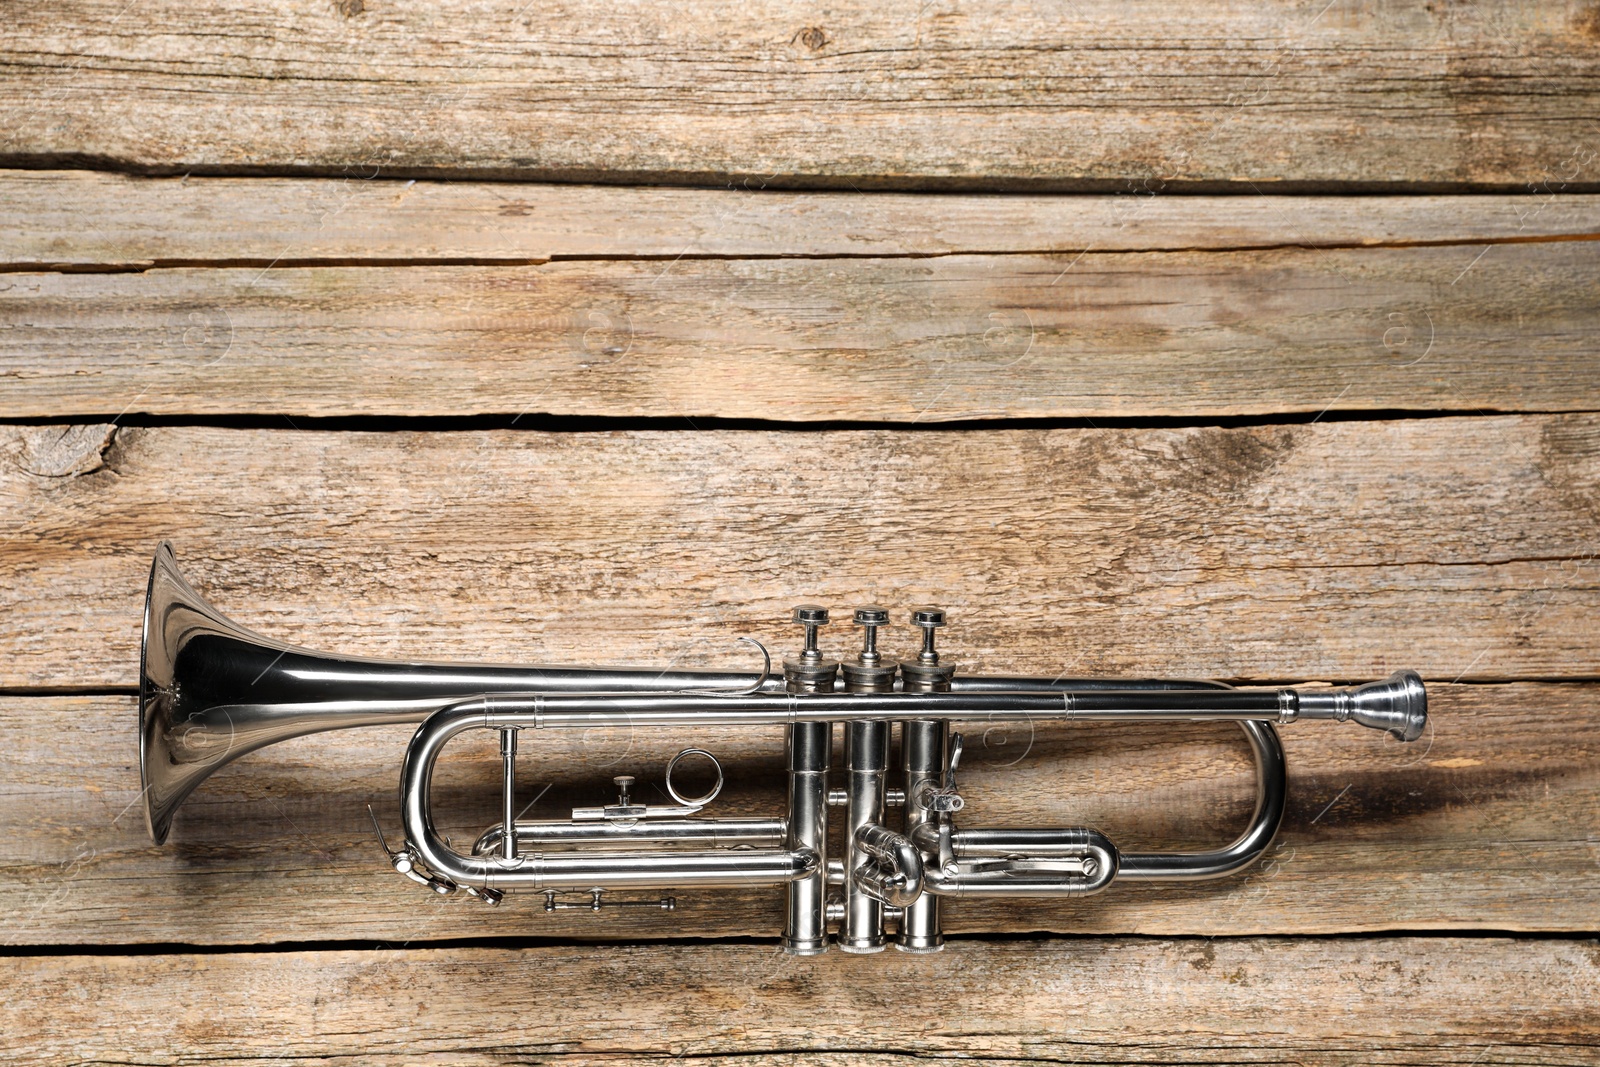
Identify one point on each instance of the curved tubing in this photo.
(997, 874)
(1033, 876)
(581, 870)
(1059, 863)
(1402, 712)
(1271, 792)
(894, 873)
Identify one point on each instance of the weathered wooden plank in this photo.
(1487, 823)
(1387, 1001)
(1001, 95)
(910, 339)
(93, 220)
(1458, 546)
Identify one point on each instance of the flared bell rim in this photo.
(165, 779)
(152, 737)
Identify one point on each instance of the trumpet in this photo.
(212, 691)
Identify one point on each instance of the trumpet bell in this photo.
(211, 690)
(180, 658)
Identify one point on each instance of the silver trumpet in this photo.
(211, 691)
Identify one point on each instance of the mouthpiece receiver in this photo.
(1398, 705)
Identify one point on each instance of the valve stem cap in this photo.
(811, 615)
(872, 616)
(928, 618)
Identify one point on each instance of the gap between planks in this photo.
(291, 262)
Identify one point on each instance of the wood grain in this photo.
(88, 220)
(1002, 95)
(1463, 547)
(1486, 823)
(913, 340)
(1391, 1001)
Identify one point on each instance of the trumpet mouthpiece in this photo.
(1398, 705)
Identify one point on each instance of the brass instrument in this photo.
(211, 691)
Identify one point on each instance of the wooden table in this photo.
(1257, 342)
